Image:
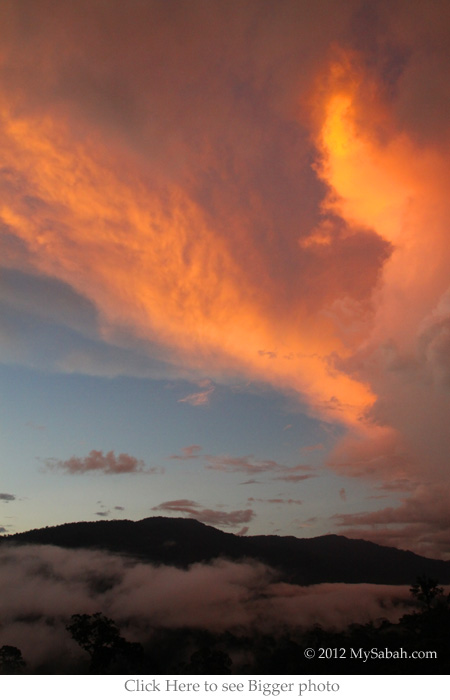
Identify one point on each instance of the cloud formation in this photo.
(267, 200)
(188, 452)
(96, 461)
(42, 586)
(200, 398)
(206, 515)
(423, 518)
(249, 465)
(280, 501)
(7, 497)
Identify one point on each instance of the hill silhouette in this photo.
(181, 542)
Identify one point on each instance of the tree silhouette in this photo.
(11, 661)
(100, 637)
(426, 590)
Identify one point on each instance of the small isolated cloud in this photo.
(206, 515)
(310, 522)
(119, 508)
(296, 474)
(200, 398)
(243, 531)
(249, 465)
(246, 464)
(7, 497)
(96, 461)
(268, 353)
(102, 513)
(3, 529)
(342, 494)
(402, 485)
(189, 452)
(294, 478)
(280, 501)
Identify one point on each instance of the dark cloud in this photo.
(96, 461)
(205, 515)
(7, 497)
(276, 501)
(294, 478)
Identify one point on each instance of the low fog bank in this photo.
(42, 586)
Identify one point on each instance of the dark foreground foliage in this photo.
(418, 644)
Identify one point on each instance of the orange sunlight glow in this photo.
(379, 179)
(144, 254)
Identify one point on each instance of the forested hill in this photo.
(182, 542)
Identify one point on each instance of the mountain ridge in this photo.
(182, 542)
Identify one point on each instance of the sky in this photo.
(224, 281)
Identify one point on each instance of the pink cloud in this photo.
(423, 518)
(243, 531)
(276, 501)
(200, 398)
(189, 452)
(227, 463)
(96, 461)
(249, 465)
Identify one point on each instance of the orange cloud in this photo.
(381, 178)
(180, 201)
(149, 260)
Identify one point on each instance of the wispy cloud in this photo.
(249, 465)
(189, 452)
(422, 517)
(200, 398)
(312, 448)
(276, 501)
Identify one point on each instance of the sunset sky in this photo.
(225, 265)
